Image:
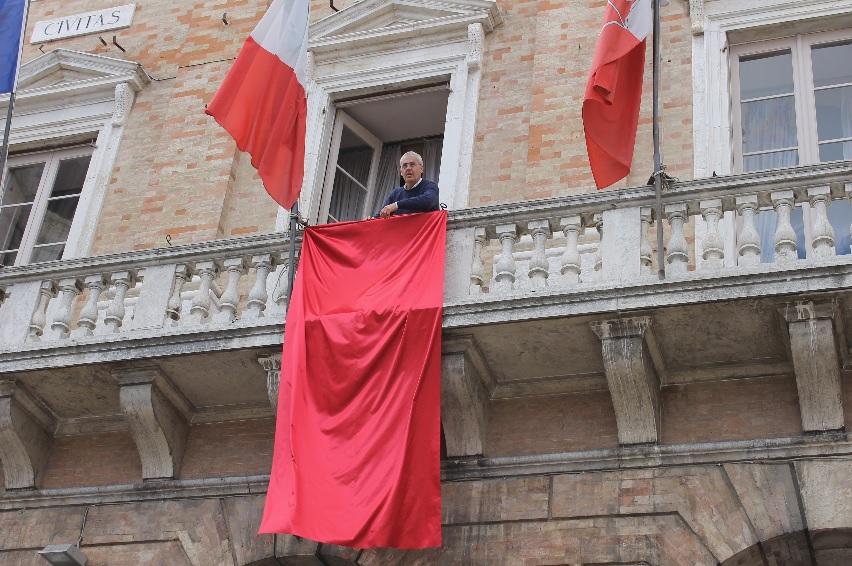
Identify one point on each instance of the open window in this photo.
(369, 137)
(38, 204)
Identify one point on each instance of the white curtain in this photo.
(347, 198)
(769, 124)
(388, 174)
(432, 158)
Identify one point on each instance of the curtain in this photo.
(347, 198)
(388, 176)
(432, 158)
(767, 125)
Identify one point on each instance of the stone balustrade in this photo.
(220, 284)
(594, 247)
(719, 226)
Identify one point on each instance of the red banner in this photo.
(357, 441)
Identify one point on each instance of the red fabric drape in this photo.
(357, 441)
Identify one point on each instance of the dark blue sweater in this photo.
(422, 198)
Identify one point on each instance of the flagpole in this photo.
(291, 266)
(7, 130)
(658, 157)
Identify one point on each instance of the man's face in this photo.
(410, 170)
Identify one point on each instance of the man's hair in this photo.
(414, 154)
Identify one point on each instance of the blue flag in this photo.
(11, 22)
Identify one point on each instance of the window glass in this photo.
(15, 207)
(61, 205)
(768, 111)
(352, 174)
(839, 216)
(766, 75)
(832, 64)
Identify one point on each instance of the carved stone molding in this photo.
(24, 440)
(157, 416)
(124, 98)
(475, 45)
(696, 15)
(813, 328)
(464, 396)
(627, 345)
(272, 366)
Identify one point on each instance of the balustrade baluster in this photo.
(258, 296)
(571, 226)
(645, 250)
(200, 310)
(677, 252)
(46, 292)
(477, 267)
(230, 298)
(597, 223)
(504, 280)
(786, 250)
(121, 281)
(68, 290)
(748, 240)
(713, 248)
(822, 233)
(89, 315)
(182, 274)
(539, 268)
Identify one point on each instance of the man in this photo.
(416, 194)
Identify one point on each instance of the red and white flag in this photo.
(614, 91)
(262, 101)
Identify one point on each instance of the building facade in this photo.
(592, 413)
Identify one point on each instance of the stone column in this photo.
(816, 361)
(632, 378)
(621, 244)
(464, 396)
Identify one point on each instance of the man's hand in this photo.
(388, 210)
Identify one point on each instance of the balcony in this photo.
(544, 298)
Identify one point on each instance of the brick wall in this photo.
(180, 172)
(92, 460)
(529, 135)
(539, 425)
(234, 448)
(731, 410)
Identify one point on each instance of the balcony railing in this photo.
(513, 252)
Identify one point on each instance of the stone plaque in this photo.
(82, 24)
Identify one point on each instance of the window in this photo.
(794, 107)
(794, 101)
(38, 202)
(370, 135)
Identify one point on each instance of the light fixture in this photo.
(63, 555)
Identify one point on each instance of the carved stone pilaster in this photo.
(464, 396)
(627, 345)
(157, 415)
(24, 438)
(272, 366)
(813, 328)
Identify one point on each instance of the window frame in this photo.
(342, 120)
(51, 160)
(800, 47)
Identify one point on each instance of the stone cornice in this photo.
(101, 75)
(438, 17)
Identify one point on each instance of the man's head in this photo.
(411, 168)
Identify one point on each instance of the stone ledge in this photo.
(812, 447)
